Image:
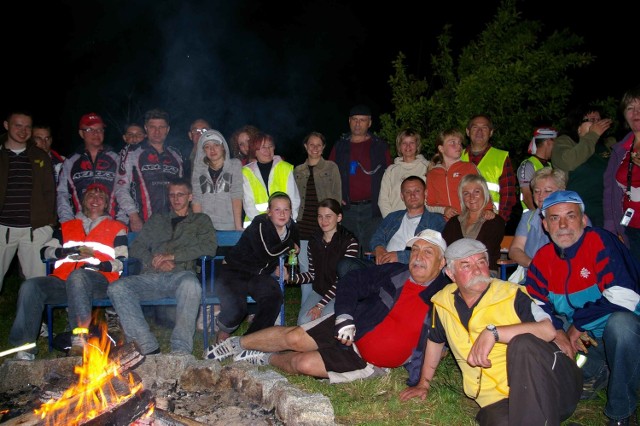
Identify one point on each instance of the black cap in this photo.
(360, 110)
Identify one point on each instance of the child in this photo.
(248, 269)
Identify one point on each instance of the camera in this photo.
(626, 218)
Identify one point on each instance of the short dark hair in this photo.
(156, 114)
(181, 181)
(413, 178)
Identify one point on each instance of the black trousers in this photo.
(544, 386)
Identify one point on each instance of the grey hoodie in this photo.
(215, 197)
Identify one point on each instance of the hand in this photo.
(450, 212)
(601, 126)
(315, 313)
(135, 222)
(574, 338)
(421, 390)
(345, 331)
(488, 214)
(562, 341)
(387, 257)
(102, 267)
(479, 354)
(66, 251)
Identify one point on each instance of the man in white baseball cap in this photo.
(388, 305)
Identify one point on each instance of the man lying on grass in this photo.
(389, 307)
(502, 342)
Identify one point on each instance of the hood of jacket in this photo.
(210, 136)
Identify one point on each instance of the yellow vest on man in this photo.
(491, 167)
(281, 171)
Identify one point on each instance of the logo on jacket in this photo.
(584, 273)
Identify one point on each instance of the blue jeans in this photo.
(358, 219)
(84, 285)
(312, 300)
(618, 349)
(127, 293)
(33, 295)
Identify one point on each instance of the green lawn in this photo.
(370, 402)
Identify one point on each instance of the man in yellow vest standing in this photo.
(494, 164)
(540, 149)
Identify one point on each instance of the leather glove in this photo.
(345, 329)
(102, 266)
(66, 251)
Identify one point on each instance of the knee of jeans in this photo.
(621, 324)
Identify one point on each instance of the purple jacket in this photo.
(612, 201)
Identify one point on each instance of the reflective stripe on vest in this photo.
(278, 176)
(490, 168)
(100, 240)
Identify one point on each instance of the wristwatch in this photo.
(492, 328)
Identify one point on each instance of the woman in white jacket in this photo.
(408, 163)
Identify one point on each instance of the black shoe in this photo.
(592, 386)
(627, 421)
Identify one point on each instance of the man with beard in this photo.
(588, 276)
(502, 342)
(389, 307)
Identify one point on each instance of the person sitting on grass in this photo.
(89, 251)
(380, 314)
(502, 342)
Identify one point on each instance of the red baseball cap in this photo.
(97, 187)
(90, 119)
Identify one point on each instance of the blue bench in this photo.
(209, 297)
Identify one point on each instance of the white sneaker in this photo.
(25, 356)
(224, 349)
(252, 357)
(44, 331)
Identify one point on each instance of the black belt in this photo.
(358, 203)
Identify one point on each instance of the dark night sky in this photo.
(287, 67)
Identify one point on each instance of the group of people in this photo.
(350, 219)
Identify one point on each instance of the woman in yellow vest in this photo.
(269, 173)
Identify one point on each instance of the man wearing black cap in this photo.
(502, 342)
(362, 159)
(588, 276)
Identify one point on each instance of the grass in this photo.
(370, 402)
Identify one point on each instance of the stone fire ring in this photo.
(268, 388)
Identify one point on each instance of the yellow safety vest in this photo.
(280, 175)
(537, 165)
(490, 168)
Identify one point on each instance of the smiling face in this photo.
(565, 223)
(19, 128)
(473, 196)
(133, 135)
(266, 151)
(409, 148)
(279, 212)
(543, 188)
(314, 147)
(327, 219)
(425, 262)
(632, 115)
(94, 203)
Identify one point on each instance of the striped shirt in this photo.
(16, 211)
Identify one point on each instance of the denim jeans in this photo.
(233, 290)
(312, 300)
(33, 295)
(127, 293)
(618, 348)
(82, 286)
(358, 219)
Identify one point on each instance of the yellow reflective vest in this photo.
(280, 173)
(491, 167)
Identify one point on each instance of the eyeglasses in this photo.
(134, 135)
(199, 131)
(42, 139)
(90, 130)
(178, 195)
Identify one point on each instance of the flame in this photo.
(94, 391)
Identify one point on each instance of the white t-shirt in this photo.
(406, 231)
